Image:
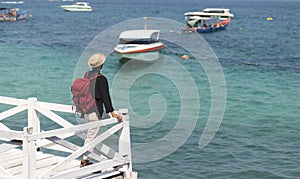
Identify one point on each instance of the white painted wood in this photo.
(29, 155)
(45, 143)
(73, 129)
(58, 107)
(43, 165)
(3, 127)
(43, 160)
(7, 155)
(12, 101)
(5, 147)
(74, 147)
(17, 161)
(101, 175)
(85, 148)
(27, 163)
(33, 119)
(54, 117)
(13, 111)
(4, 174)
(109, 152)
(10, 135)
(88, 169)
(125, 144)
(71, 167)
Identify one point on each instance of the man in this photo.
(100, 91)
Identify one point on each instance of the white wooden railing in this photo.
(33, 138)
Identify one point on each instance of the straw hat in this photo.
(96, 60)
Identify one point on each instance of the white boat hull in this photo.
(74, 9)
(13, 2)
(139, 45)
(142, 57)
(208, 13)
(78, 7)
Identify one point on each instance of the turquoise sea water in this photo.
(259, 133)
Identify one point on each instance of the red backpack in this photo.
(82, 95)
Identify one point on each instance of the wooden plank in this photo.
(88, 169)
(45, 143)
(12, 111)
(10, 154)
(108, 152)
(51, 115)
(32, 116)
(11, 134)
(74, 165)
(104, 174)
(5, 147)
(73, 129)
(64, 143)
(49, 162)
(17, 161)
(58, 107)
(12, 101)
(29, 154)
(4, 127)
(85, 148)
(5, 174)
(74, 147)
(43, 164)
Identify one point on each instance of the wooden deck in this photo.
(12, 162)
(36, 153)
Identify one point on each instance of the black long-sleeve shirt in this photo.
(100, 90)
(102, 95)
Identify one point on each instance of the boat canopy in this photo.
(140, 34)
(215, 10)
(82, 3)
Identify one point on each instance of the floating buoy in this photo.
(185, 56)
(269, 18)
(145, 18)
(241, 28)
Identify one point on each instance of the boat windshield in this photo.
(137, 41)
(214, 11)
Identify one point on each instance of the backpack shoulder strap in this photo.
(95, 76)
(86, 74)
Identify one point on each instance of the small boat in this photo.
(208, 13)
(13, 14)
(77, 7)
(205, 25)
(140, 45)
(12, 2)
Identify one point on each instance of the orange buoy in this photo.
(185, 57)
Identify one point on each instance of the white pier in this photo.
(28, 154)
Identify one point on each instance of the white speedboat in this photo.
(208, 13)
(140, 45)
(77, 7)
(13, 2)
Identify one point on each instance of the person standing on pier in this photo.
(100, 91)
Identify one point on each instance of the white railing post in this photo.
(124, 141)
(29, 155)
(33, 117)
